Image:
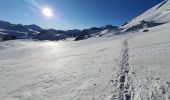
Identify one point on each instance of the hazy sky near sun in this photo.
(73, 14)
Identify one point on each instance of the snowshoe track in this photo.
(125, 83)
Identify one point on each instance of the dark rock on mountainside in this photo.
(142, 24)
(5, 37)
(34, 27)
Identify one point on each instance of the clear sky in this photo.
(73, 14)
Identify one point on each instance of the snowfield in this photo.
(59, 70)
(133, 66)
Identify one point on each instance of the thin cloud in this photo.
(33, 3)
(33, 9)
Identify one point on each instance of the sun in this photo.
(47, 12)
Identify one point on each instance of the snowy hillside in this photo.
(155, 16)
(149, 55)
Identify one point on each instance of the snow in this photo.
(131, 66)
(149, 59)
(47, 70)
(158, 14)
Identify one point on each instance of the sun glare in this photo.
(47, 12)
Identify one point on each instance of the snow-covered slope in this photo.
(131, 66)
(149, 55)
(83, 70)
(156, 15)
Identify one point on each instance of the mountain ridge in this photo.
(155, 16)
(36, 32)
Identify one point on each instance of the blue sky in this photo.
(73, 14)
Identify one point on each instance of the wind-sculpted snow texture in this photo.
(59, 70)
(149, 57)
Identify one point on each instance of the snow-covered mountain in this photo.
(18, 31)
(35, 32)
(157, 15)
(51, 34)
(19, 27)
(97, 32)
